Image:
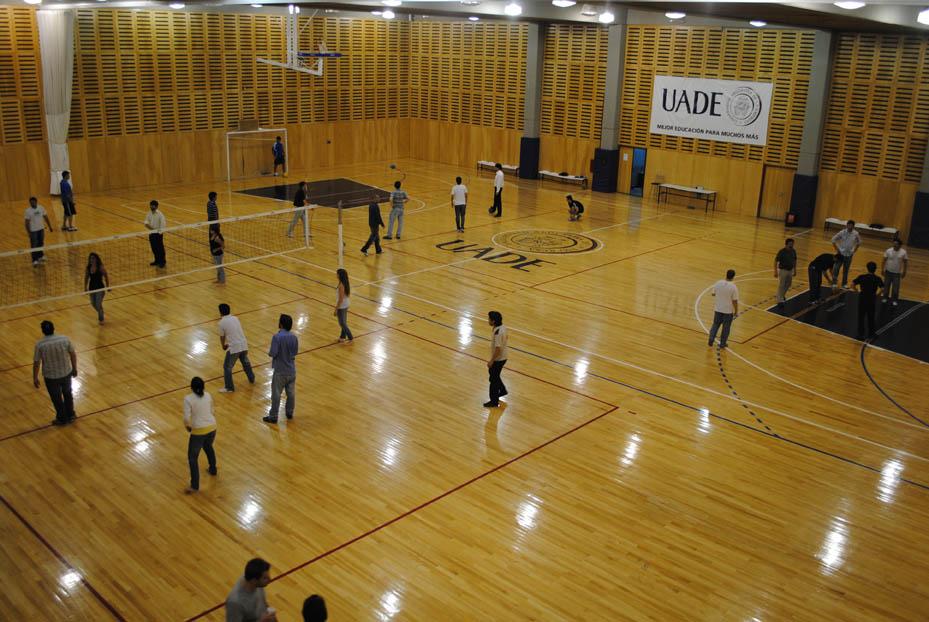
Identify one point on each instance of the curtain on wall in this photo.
(56, 40)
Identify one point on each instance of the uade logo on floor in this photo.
(536, 241)
(492, 255)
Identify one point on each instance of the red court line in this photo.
(423, 505)
(103, 601)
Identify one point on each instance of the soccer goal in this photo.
(249, 152)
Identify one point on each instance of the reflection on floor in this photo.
(903, 328)
(326, 192)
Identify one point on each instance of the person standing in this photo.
(341, 304)
(201, 423)
(35, 227)
(460, 203)
(894, 268)
(277, 150)
(575, 208)
(497, 207)
(284, 347)
(212, 210)
(785, 269)
(725, 308)
(58, 360)
(156, 223)
(822, 265)
(232, 339)
(867, 286)
(498, 356)
(217, 250)
(96, 283)
(398, 199)
(299, 212)
(247, 601)
(67, 201)
(845, 243)
(375, 222)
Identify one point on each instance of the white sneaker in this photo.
(894, 303)
(225, 390)
(35, 263)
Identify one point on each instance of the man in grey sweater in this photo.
(246, 602)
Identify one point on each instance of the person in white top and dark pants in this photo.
(725, 308)
(497, 207)
(460, 203)
(344, 290)
(36, 220)
(155, 222)
(232, 339)
(498, 355)
(201, 423)
(894, 269)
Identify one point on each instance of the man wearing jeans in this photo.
(894, 269)
(36, 220)
(845, 242)
(283, 351)
(232, 338)
(785, 269)
(725, 308)
(56, 356)
(498, 356)
(398, 199)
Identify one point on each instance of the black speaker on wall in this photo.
(529, 157)
(919, 224)
(605, 170)
(803, 201)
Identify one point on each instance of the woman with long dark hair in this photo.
(341, 305)
(201, 423)
(96, 283)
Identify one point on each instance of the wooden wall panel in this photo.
(22, 118)
(573, 80)
(865, 198)
(462, 144)
(563, 153)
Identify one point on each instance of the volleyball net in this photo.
(127, 256)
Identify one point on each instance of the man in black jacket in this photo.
(820, 266)
(375, 222)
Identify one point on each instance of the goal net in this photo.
(126, 257)
(249, 153)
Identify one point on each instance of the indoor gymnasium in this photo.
(477, 310)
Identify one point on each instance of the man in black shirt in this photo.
(785, 269)
(818, 267)
(575, 208)
(299, 213)
(867, 286)
(375, 222)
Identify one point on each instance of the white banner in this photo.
(726, 110)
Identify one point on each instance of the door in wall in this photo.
(625, 170)
(637, 183)
(776, 189)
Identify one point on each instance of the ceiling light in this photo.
(290, 9)
(757, 23)
(176, 5)
(388, 14)
(473, 18)
(513, 9)
(254, 6)
(923, 17)
(606, 17)
(849, 6)
(378, 13)
(588, 10)
(391, 2)
(470, 2)
(675, 15)
(33, 1)
(563, 4)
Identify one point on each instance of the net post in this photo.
(341, 243)
(228, 162)
(306, 224)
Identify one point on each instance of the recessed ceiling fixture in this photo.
(176, 5)
(849, 6)
(388, 14)
(675, 15)
(378, 13)
(33, 1)
(588, 10)
(254, 6)
(606, 17)
(563, 4)
(757, 23)
(391, 2)
(513, 9)
(473, 18)
(923, 17)
(470, 2)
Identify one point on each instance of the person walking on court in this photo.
(35, 227)
(785, 269)
(498, 355)
(200, 421)
(156, 223)
(575, 208)
(299, 212)
(96, 283)
(725, 308)
(375, 222)
(497, 207)
(460, 203)
(867, 286)
(67, 201)
(212, 210)
(58, 361)
(343, 291)
(284, 347)
(845, 243)
(277, 150)
(398, 199)
(232, 339)
(247, 601)
(217, 250)
(894, 269)
(822, 265)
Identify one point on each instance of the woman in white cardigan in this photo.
(200, 422)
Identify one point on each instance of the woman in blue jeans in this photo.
(201, 423)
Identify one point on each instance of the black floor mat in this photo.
(327, 192)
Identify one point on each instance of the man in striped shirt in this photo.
(58, 360)
(212, 211)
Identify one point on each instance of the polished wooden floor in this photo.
(634, 474)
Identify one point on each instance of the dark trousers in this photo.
(374, 238)
(497, 388)
(724, 320)
(194, 445)
(498, 203)
(865, 312)
(459, 216)
(844, 263)
(157, 242)
(342, 314)
(37, 240)
(59, 389)
(816, 280)
(229, 363)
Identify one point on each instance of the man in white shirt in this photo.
(894, 269)
(459, 202)
(498, 355)
(232, 338)
(725, 307)
(36, 220)
(845, 243)
(155, 222)
(498, 192)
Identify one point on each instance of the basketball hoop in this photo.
(296, 60)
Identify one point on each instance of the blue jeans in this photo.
(229, 363)
(194, 445)
(395, 214)
(845, 263)
(287, 383)
(724, 320)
